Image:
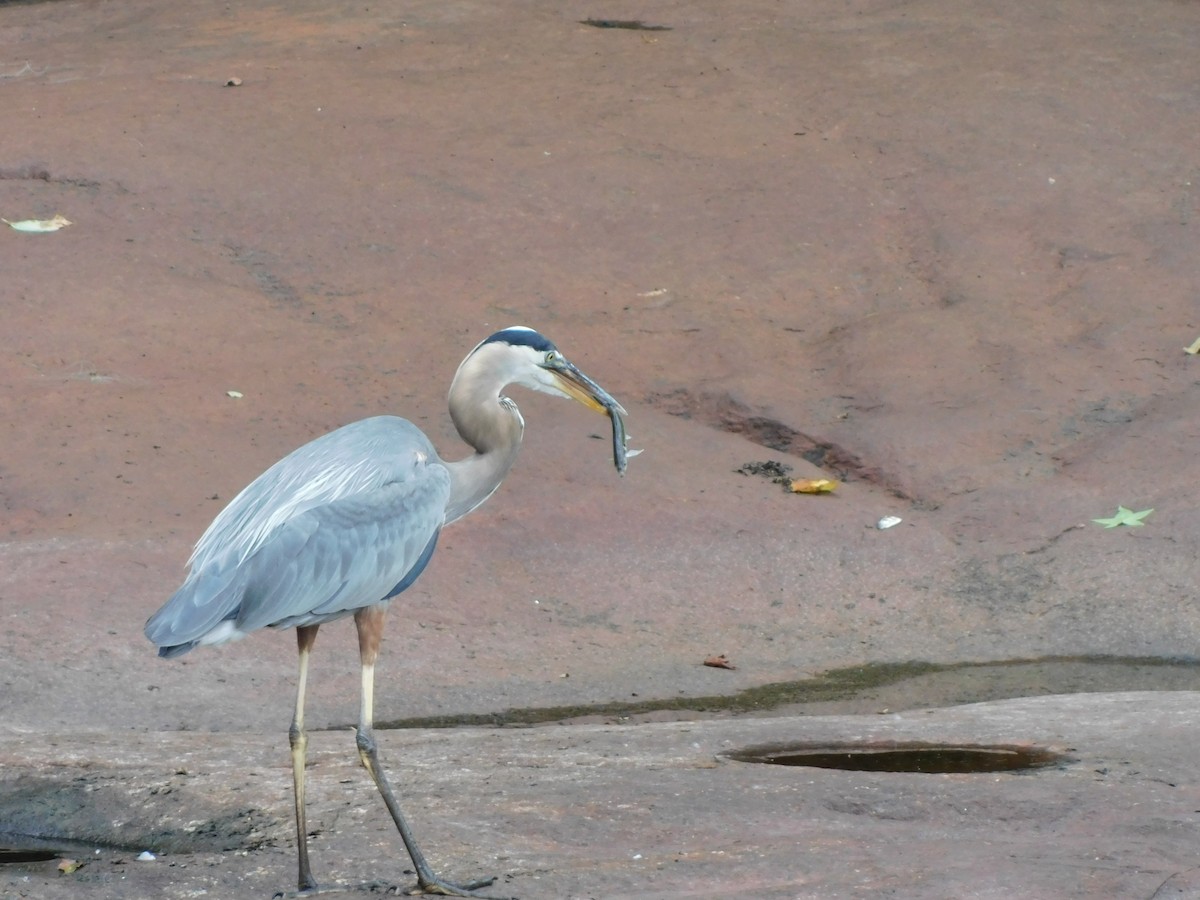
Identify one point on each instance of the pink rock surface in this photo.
(943, 252)
(947, 251)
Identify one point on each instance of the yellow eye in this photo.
(553, 357)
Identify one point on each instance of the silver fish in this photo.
(621, 451)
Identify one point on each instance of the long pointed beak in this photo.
(577, 385)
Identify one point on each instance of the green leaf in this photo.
(1125, 517)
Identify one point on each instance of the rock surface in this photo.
(653, 810)
(944, 252)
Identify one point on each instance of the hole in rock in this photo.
(931, 758)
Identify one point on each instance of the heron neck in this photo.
(493, 426)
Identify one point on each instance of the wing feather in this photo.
(353, 459)
(344, 555)
(344, 522)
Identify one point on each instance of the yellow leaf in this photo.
(67, 866)
(814, 486)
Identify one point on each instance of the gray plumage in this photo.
(351, 518)
(348, 521)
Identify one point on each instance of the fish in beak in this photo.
(579, 387)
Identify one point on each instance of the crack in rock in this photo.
(729, 414)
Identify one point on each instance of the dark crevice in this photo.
(626, 24)
(729, 414)
(36, 172)
(973, 682)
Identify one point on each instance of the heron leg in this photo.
(306, 636)
(369, 621)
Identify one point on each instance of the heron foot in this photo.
(433, 885)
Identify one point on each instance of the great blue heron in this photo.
(346, 522)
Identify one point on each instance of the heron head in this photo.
(520, 355)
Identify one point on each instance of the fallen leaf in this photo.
(234, 82)
(814, 486)
(1125, 517)
(67, 866)
(719, 662)
(34, 226)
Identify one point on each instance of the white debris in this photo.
(888, 522)
(35, 226)
(146, 856)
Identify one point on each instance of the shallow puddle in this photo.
(872, 689)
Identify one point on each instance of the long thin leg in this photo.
(370, 634)
(306, 636)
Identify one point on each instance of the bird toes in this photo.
(437, 886)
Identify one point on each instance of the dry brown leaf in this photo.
(719, 662)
